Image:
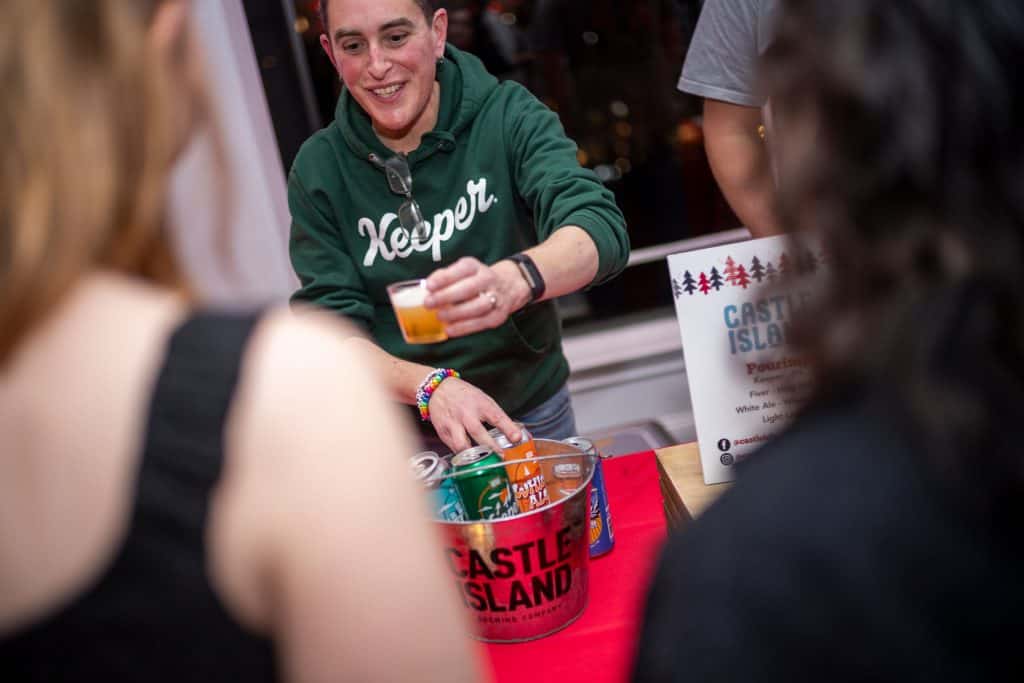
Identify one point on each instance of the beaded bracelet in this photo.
(427, 388)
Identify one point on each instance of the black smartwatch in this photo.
(531, 274)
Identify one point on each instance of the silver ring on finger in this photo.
(492, 298)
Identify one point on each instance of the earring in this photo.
(440, 62)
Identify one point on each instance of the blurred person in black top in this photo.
(185, 494)
(878, 539)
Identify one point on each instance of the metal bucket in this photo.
(525, 577)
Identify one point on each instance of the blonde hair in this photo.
(93, 118)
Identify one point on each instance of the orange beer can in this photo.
(528, 484)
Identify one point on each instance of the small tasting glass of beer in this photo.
(419, 325)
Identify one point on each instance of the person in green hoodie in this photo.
(509, 222)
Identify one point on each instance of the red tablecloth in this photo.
(598, 647)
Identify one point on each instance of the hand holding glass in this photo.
(419, 325)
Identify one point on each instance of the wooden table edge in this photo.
(684, 493)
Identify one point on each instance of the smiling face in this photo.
(386, 52)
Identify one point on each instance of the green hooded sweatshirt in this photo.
(497, 175)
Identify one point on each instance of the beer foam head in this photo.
(409, 297)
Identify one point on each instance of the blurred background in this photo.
(607, 67)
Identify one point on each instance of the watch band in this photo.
(531, 274)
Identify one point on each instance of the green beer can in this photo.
(486, 491)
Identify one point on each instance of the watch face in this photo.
(531, 275)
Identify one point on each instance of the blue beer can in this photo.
(432, 470)
(602, 535)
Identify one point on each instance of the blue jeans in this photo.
(552, 419)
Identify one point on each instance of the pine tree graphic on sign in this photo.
(689, 286)
(677, 291)
(730, 270)
(741, 279)
(716, 279)
(702, 284)
(784, 269)
(756, 269)
(809, 263)
(770, 272)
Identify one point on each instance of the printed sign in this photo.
(735, 305)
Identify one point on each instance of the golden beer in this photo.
(419, 325)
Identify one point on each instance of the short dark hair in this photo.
(427, 6)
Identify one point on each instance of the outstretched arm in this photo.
(463, 291)
(580, 238)
(458, 410)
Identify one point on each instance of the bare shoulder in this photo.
(283, 332)
(317, 482)
(300, 366)
(308, 417)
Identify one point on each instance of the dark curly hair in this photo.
(899, 145)
(427, 7)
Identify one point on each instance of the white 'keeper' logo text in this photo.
(391, 244)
